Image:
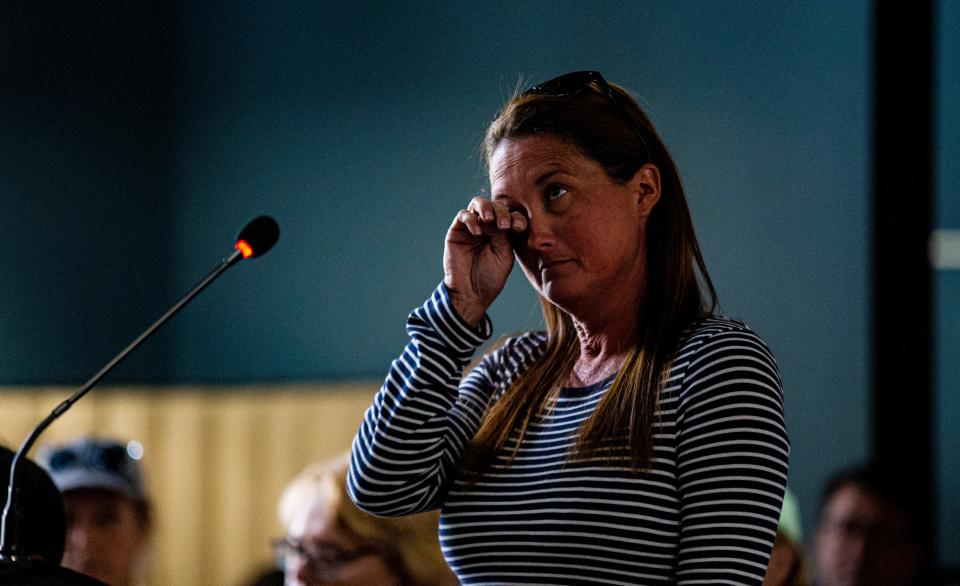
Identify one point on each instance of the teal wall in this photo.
(357, 126)
(86, 201)
(947, 282)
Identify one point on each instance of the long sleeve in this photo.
(705, 514)
(424, 415)
(732, 453)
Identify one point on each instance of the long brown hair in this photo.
(674, 297)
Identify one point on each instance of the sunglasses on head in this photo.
(572, 84)
(107, 458)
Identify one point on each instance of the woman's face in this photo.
(331, 555)
(584, 245)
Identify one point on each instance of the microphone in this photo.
(255, 239)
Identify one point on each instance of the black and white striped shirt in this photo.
(706, 513)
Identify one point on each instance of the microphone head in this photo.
(257, 237)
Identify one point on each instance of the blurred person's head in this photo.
(107, 512)
(868, 533)
(330, 541)
(41, 522)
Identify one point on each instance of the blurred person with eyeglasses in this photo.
(329, 541)
(107, 510)
(641, 438)
(870, 532)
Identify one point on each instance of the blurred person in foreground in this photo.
(869, 532)
(640, 439)
(330, 541)
(41, 525)
(107, 511)
(788, 564)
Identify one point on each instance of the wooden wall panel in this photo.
(216, 460)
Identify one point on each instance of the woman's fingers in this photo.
(489, 213)
(484, 208)
(518, 221)
(469, 219)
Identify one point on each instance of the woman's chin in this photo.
(560, 295)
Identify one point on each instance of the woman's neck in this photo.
(603, 349)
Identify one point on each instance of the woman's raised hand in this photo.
(478, 255)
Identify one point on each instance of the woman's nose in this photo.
(540, 233)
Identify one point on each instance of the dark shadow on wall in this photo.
(85, 175)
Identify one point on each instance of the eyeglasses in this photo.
(111, 458)
(321, 562)
(571, 84)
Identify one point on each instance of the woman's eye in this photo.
(556, 192)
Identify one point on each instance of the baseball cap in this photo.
(92, 463)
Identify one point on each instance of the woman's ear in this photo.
(646, 183)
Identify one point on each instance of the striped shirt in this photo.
(706, 512)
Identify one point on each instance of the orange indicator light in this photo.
(245, 249)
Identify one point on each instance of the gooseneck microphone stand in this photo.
(256, 238)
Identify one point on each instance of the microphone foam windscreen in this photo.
(261, 233)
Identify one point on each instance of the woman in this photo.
(330, 541)
(640, 440)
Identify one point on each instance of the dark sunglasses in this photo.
(107, 458)
(571, 84)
